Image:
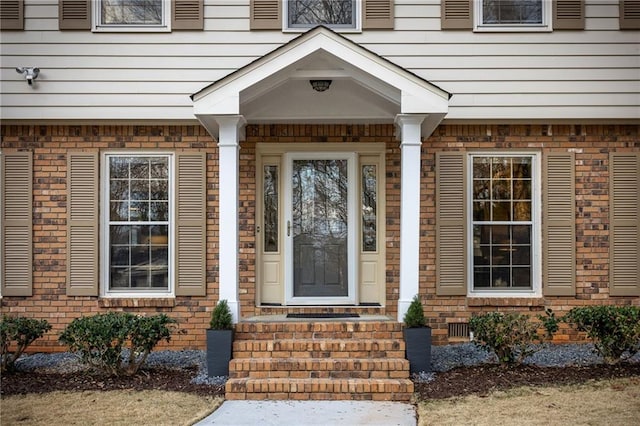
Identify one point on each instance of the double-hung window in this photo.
(336, 14)
(137, 215)
(504, 224)
(512, 15)
(132, 15)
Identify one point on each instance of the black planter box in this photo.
(418, 348)
(219, 347)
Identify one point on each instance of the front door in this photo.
(319, 216)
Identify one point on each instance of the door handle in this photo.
(288, 228)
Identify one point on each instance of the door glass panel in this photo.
(369, 208)
(270, 208)
(319, 228)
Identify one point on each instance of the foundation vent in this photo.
(459, 331)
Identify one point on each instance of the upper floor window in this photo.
(512, 15)
(128, 15)
(337, 14)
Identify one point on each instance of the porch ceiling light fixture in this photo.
(320, 85)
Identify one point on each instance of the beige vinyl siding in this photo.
(17, 213)
(572, 75)
(559, 239)
(191, 217)
(82, 223)
(451, 224)
(624, 217)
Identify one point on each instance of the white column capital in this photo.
(230, 129)
(409, 128)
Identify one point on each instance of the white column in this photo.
(228, 190)
(410, 132)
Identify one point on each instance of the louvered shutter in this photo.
(456, 14)
(568, 15)
(377, 15)
(187, 15)
(191, 224)
(266, 15)
(451, 224)
(624, 246)
(630, 14)
(17, 243)
(11, 14)
(559, 248)
(74, 14)
(82, 223)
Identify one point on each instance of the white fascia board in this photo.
(417, 102)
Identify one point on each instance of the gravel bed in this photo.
(443, 358)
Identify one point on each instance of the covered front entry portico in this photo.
(319, 240)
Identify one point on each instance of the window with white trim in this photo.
(132, 15)
(504, 224)
(137, 237)
(336, 14)
(512, 15)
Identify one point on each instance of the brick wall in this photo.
(591, 144)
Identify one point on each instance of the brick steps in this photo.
(320, 389)
(301, 368)
(319, 360)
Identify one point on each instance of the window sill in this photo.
(505, 301)
(167, 302)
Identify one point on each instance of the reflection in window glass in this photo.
(138, 222)
(131, 12)
(270, 208)
(502, 222)
(369, 208)
(309, 13)
(511, 12)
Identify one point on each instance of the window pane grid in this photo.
(502, 222)
(512, 12)
(131, 12)
(139, 222)
(333, 13)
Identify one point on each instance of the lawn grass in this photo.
(607, 402)
(124, 407)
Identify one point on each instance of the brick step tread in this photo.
(331, 345)
(320, 396)
(318, 327)
(281, 335)
(319, 368)
(318, 386)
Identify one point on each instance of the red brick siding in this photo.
(591, 143)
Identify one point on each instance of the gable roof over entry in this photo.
(365, 88)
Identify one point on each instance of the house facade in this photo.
(482, 154)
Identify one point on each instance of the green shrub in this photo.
(100, 340)
(221, 318)
(21, 332)
(509, 336)
(414, 317)
(615, 330)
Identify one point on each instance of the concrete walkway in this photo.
(302, 413)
